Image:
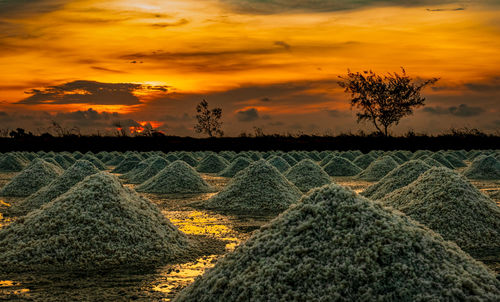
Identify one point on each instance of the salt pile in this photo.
(378, 169)
(97, 225)
(337, 246)
(456, 162)
(116, 160)
(397, 178)
(432, 162)
(236, 166)
(171, 157)
(348, 155)
(363, 161)
(189, 159)
(154, 168)
(212, 164)
(11, 163)
(443, 161)
(307, 175)
(127, 164)
(339, 166)
(289, 159)
(178, 177)
(36, 175)
(483, 167)
(447, 203)
(258, 188)
(139, 168)
(279, 163)
(73, 175)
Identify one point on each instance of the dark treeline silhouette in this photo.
(456, 139)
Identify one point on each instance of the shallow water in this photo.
(165, 282)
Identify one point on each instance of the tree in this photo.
(208, 120)
(384, 100)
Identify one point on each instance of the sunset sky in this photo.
(271, 64)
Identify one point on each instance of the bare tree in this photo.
(384, 100)
(208, 120)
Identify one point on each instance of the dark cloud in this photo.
(88, 92)
(462, 110)
(283, 44)
(445, 9)
(87, 115)
(334, 113)
(17, 8)
(490, 85)
(280, 6)
(106, 69)
(174, 118)
(248, 115)
(171, 24)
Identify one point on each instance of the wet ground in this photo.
(163, 283)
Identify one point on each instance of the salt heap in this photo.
(363, 161)
(483, 167)
(258, 188)
(97, 225)
(73, 175)
(189, 159)
(236, 166)
(307, 175)
(334, 245)
(116, 160)
(37, 174)
(339, 166)
(212, 163)
(94, 160)
(154, 168)
(279, 163)
(139, 168)
(447, 203)
(442, 160)
(397, 178)
(378, 169)
(455, 161)
(11, 163)
(432, 162)
(127, 164)
(178, 177)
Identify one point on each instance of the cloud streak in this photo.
(281, 6)
(89, 92)
(462, 110)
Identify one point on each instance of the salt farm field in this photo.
(221, 214)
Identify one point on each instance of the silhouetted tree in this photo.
(208, 120)
(384, 100)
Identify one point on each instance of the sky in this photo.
(272, 64)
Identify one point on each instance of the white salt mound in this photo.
(378, 169)
(279, 163)
(483, 167)
(73, 175)
(154, 168)
(178, 177)
(236, 166)
(363, 161)
(335, 245)
(258, 188)
(397, 178)
(97, 225)
(127, 164)
(36, 175)
(447, 203)
(212, 164)
(11, 163)
(339, 166)
(307, 175)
